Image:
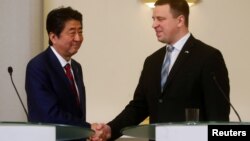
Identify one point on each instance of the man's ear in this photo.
(181, 20)
(53, 37)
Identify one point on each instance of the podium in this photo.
(195, 131)
(25, 131)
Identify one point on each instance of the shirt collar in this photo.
(62, 61)
(180, 43)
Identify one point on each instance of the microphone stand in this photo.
(223, 93)
(10, 70)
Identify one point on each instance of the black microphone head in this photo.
(10, 70)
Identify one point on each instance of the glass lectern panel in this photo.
(63, 132)
(148, 131)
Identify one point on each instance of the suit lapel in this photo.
(76, 76)
(55, 64)
(78, 83)
(58, 70)
(158, 68)
(181, 59)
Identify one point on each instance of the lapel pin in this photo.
(186, 51)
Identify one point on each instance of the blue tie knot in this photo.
(170, 48)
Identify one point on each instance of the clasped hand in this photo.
(102, 132)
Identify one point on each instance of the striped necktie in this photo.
(165, 66)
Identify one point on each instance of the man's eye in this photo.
(72, 33)
(160, 19)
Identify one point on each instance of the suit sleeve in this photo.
(216, 105)
(135, 112)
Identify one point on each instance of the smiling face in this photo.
(69, 40)
(168, 28)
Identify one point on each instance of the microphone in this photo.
(223, 93)
(10, 70)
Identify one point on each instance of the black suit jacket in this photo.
(189, 84)
(49, 97)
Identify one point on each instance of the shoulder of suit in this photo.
(204, 46)
(162, 50)
(75, 63)
(41, 57)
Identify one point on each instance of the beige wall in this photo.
(225, 25)
(118, 37)
(20, 39)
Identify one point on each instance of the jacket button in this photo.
(160, 100)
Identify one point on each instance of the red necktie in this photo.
(72, 82)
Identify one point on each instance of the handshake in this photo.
(102, 132)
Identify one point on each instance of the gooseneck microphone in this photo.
(10, 70)
(224, 95)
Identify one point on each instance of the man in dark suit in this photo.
(56, 93)
(189, 84)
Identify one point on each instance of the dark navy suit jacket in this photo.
(49, 97)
